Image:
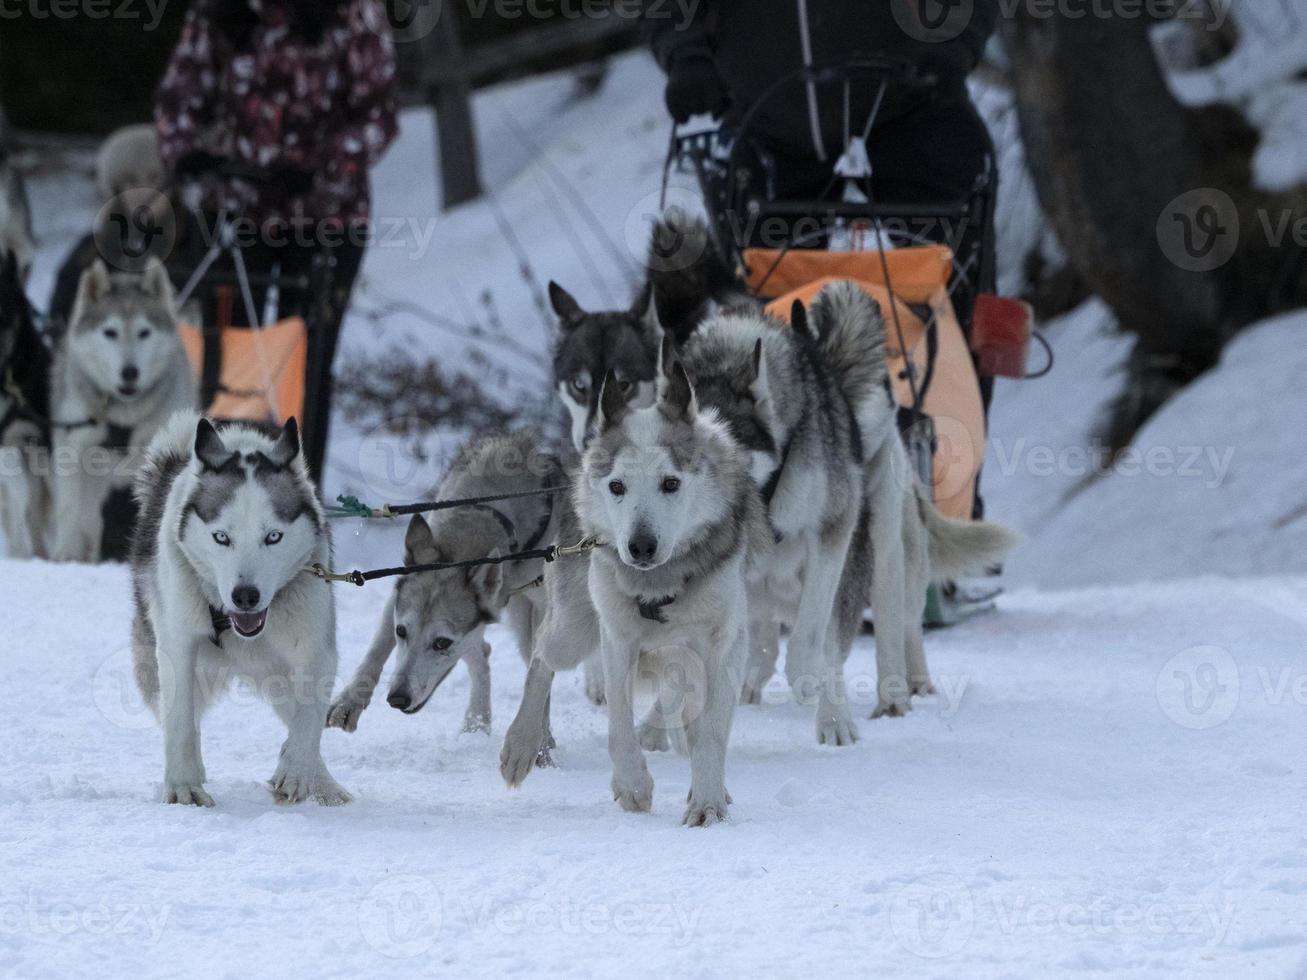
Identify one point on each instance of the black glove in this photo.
(695, 87)
(197, 164)
(291, 179)
(949, 63)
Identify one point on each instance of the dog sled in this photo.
(938, 359)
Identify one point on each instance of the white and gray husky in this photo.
(434, 619)
(230, 527)
(120, 372)
(812, 404)
(667, 492)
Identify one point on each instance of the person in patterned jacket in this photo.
(276, 110)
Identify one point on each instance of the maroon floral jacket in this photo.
(327, 109)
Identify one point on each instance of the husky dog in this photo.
(119, 373)
(435, 619)
(668, 494)
(230, 526)
(813, 406)
(686, 280)
(24, 420)
(16, 236)
(798, 401)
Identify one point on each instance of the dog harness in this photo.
(652, 609)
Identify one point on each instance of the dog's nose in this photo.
(398, 699)
(245, 598)
(130, 374)
(642, 546)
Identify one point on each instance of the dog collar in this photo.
(652, 609)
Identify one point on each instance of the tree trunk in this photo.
(1153, 201)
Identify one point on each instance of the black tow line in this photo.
(549, 554)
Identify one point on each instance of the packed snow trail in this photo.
(1109, 781)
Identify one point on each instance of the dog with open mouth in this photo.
(230, 528)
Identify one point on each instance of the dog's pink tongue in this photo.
(247, 624)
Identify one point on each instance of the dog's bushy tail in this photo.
(851, 331)
(170, 448)
(962, 547)
(688, 274)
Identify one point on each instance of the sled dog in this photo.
(686, 281)
(813, 406)
(230, 525)
(667, 492)
(434, 619)
(24, 420)
(119, 374)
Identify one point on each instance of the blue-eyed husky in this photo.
(230, 526)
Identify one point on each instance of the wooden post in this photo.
(451, 98)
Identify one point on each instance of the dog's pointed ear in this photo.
(287, 446)
(210, 450)
(645, 310)
(156, 283)
(94, 285)
(678, 404)
(566, 307)
(485, 581)
(419, 542)
(758, 387)
(612, 403)
(666, 357)
(799, 319)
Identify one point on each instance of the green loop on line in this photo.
(350, 506)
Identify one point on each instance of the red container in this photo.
(1000, 335)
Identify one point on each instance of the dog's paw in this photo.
(295, 784)
(922, 687)
(892, 709)
(634, 792)
(835, 727)
(653, 738)
(345, 713)
(186, 794)
(330, 793)
(705, 813)
(477, 722)
(750, 694)
(520, 754)
(594, 690)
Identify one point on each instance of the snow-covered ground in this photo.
(1109, 781)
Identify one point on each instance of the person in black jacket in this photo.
(927, 145)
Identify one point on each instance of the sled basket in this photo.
(261, 377)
